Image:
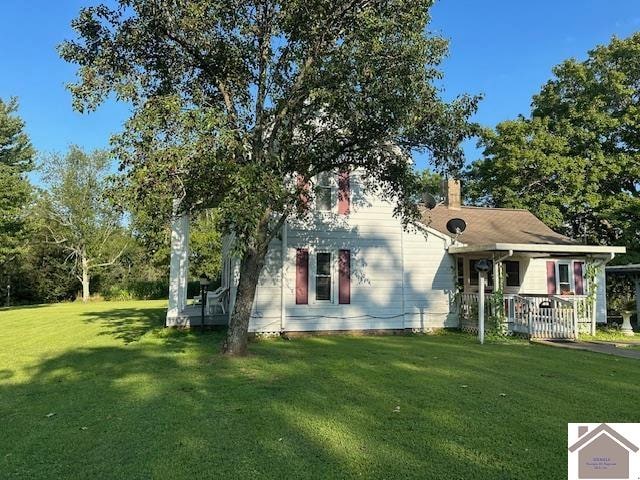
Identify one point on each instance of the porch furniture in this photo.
(217, 299)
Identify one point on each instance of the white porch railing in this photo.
(538, 316)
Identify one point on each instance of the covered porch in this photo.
(537, 290)
(536, 316)
(189, 312)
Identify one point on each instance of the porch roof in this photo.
(507, 230)
(632, 268)
(538, 248)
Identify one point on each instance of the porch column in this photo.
(599, 306)
(179, 267)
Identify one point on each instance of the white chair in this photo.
(216, 298)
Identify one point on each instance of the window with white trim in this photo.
(323, 276)
(323, 192)
(564, 278)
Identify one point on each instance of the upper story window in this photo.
(323, 192)
(512, 269)
(323, 276)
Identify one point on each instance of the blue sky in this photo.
(503, 49)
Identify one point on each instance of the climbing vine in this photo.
(497, 318)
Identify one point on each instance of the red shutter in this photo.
(577, 277)
(303, 185)
(344, 279)
(551, 278)
(343, 193)
(302, 276)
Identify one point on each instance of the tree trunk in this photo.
(250, 268)
(85, 279)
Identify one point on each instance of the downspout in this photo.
(283, 254)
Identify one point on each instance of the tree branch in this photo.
(113, 260)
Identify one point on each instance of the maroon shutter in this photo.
(344, 279)
(303, 186)
(577, 277)
(551, 278)
(302, 276)
(344, 192)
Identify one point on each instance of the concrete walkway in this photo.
(598, 347)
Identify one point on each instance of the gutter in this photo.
(536, 247)
(603, 261)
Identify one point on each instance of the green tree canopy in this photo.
(78, 215)
(575, 162)
(16, 158)
(232, 100)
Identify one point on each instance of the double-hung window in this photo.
(323, 276)
(564, 278)
(323, 192)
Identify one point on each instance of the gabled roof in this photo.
(494, 225)
(586, 438)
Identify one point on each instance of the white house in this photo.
(353, 267)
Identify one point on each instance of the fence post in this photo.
(575, 319)
(593, 316)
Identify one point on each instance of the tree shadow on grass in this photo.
(23, 307)
(369, 407)
(128, 324)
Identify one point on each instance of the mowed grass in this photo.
(102, 391)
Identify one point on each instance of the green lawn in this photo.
(608, 334)
(131, 400)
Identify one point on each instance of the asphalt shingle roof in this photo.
(494, 225)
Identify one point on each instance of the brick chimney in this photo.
(452, 195)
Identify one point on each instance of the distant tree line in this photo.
(71, 235)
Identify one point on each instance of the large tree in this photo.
(234, 100)
(575, 162)
(16, 159)
(78, 216)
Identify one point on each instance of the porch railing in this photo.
(538, 316)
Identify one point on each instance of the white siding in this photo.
(534, 281)
(388, 290)
(429, 283)
(265, 316)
